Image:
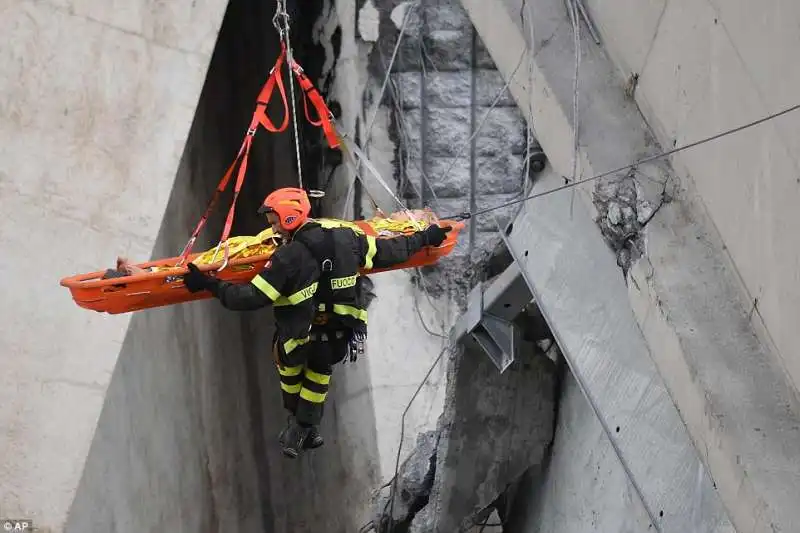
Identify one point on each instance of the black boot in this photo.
(314, 439)
(284, 431)
(293, 438)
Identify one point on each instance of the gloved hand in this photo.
(197, 281)
(357, 345)
(435, 235)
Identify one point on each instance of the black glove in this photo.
(197, 281)
(435, 235)
(356, 346)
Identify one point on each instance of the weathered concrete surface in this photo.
(412, 489)
(705, 67)
(582, 486)
(699, 344)
(598, 334)
(95, 109)
(443, 85)
(494, 427)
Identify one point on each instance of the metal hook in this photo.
(227, 255)
(281, 13)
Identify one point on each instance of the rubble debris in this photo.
(622, 215)
(413, 488)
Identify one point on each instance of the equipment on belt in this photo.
(357, 345)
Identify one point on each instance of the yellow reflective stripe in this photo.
(265, 287)
(299, 297)
(291, 389)
(303, 294)
(313, 397)
(371, 251)
(343, 283)
(289, 371)
(321, 307)
(291, 344)
(349, 310)
(316, 377)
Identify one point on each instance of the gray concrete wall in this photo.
(581, 486)
(705, 67)
(97, 101)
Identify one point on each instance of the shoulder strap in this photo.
(324, 252)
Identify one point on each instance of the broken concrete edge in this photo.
(698, 407)
(354, 80)
(494, 428)
(398, 502)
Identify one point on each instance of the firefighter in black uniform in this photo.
(312, 281)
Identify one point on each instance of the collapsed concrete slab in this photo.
(494, 428)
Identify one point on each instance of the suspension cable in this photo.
(467, 215)
(281, 22)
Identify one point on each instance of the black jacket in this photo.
(315, 271)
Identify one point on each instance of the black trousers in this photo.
(305, 367)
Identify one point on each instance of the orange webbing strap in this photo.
(223, 184)
(312, 94)
(265, 95)
(318, 102)
(260, 117)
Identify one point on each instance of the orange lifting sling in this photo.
(163, 284)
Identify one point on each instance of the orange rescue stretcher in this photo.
(163, 284)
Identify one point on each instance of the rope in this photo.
(354, 164)
(468, 215)
(403, 428)
(351, 146)
(576, 33)
(405, 132)
(281, 22)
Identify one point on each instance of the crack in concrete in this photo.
(653, 40)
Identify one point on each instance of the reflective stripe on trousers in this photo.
(304, 386)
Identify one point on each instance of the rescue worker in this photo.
(312, 281)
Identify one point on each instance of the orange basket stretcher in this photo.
(165, 287)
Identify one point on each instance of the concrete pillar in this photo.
(97, 101)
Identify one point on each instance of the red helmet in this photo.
(290, 204)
